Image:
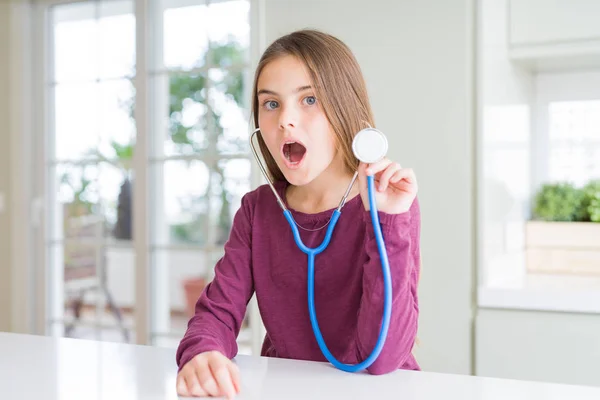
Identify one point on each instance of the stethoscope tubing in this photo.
(311, 254)
(387, 303)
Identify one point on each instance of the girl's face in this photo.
(292, 122)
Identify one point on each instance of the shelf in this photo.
(539, 292)
(564, 56)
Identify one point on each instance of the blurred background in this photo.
(124, 154)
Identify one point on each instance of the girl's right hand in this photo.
(209, 374)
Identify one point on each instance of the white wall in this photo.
(5, 256)
(542, 346)
(416, 57)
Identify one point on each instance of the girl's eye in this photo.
(271, 104)
(310, 100)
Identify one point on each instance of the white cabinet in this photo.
(554, 34)
(537, 345)
(553, 21)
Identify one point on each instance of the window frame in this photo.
(550, 88)
(142, 245)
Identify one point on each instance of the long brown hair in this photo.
(339, 86)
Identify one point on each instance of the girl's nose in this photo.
(288, 118)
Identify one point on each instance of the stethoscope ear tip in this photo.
(370, 145)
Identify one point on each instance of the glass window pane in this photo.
(116, 32)
(92, 282)
(76, 191)
(93, 40)
(232, 181)
(116, 122)
(115, 186)
(93, 285)
(231, 117)
(85, 191)
(182, 122)
(229, 32)
(75, 42)
(76, 120)
(181, 202)
(178, 279)
(185, 40)
(574, 133)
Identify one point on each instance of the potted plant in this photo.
(564, 233)
(591, 201)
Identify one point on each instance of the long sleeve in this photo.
(221, 308)
(401, 233)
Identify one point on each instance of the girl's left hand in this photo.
(396, 187)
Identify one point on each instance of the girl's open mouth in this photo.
(293, 154)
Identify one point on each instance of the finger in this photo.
(363, 184)
(194, 388)
(182, 388)
(362, 176)
(235, 376)
(378, 166)
(405, 181)
(206, 380)
(386, 175)
(362, 169)
(404, 173)
(223, 377)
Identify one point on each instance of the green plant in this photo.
(559, 202)
(591, 201)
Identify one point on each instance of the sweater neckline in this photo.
(281, 187)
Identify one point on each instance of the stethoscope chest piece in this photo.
(370, 145)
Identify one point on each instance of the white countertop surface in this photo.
(43, 368)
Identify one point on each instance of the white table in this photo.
(43, 368)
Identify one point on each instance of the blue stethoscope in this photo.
(369, 146)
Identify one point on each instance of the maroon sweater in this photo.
(261, 257)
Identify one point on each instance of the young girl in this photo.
(309, 100)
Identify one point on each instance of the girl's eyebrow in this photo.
(271, 92)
